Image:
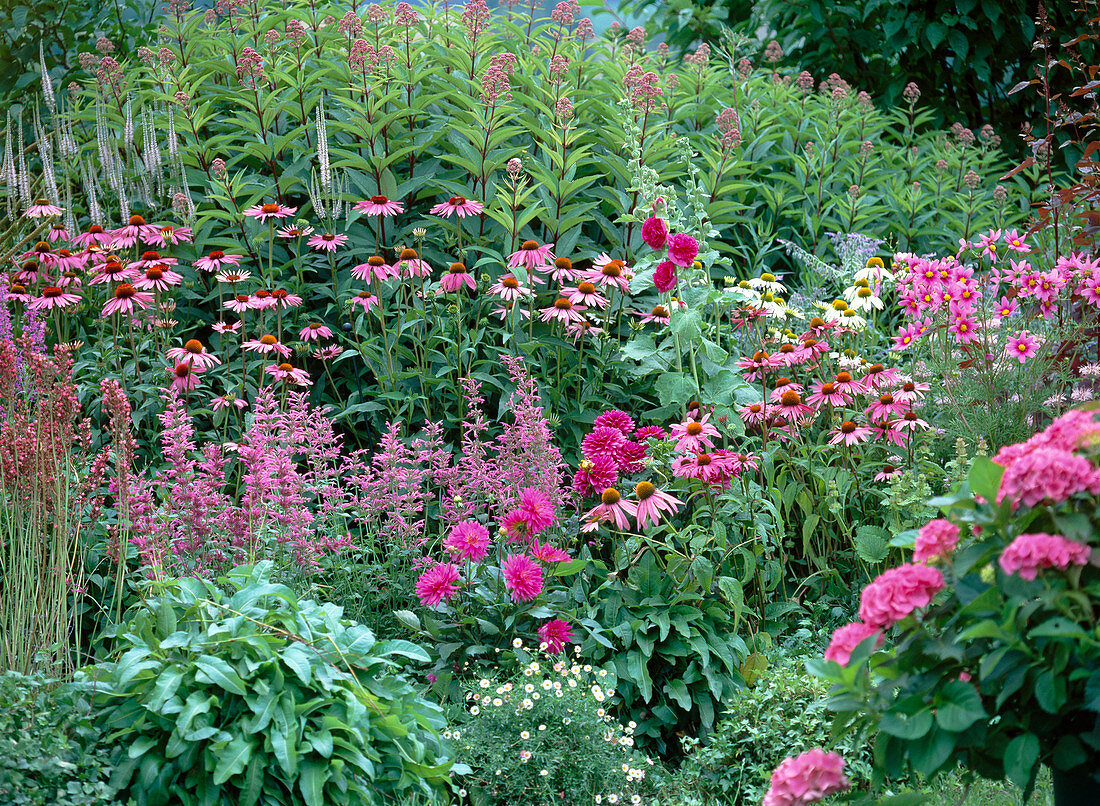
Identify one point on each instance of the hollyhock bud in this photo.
(655, 232)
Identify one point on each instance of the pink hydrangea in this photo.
(847, 638)
(468, 540)
(537, 510)
(936, 538)
(1069, 432)
(806, 778)
(613, 418)
(437, 584)
(603, 441)
(897, 593)
(1028, 553)
(655, 232)
(1046, 474)
(555, 634)
(664, 276)
(682, 249)
(522, 577)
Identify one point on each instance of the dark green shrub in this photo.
(255, 697)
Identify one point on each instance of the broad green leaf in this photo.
(210, 669)
(233, 759)
(1021, 756)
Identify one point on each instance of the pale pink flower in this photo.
(364, 299)
(457, 205)
(287, 372)
(158, 278)
(563, 311)
(193, 352)
(652, 502)
(612, 507)
(694, 436)
(522, 577)
(380, 206)
(456, 278)
(584, 294)
(510, 289)
(849, 434)
(269, 210)
(1029, 553)
(314, 331)
(228, 401)
(531, 256)
(847, 638)
(659, 314)
(42, 208)
(896, 593)
(166, 234)
(327, 242)
(233, 277)
(294, 232)
(266, 344)
(225, 327)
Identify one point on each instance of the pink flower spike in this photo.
(437, 584)
(522, 577)
(380, 206)
(457, 205)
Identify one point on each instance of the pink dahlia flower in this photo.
(596, 475)
(603, 441)
(664, 276)
(469, 540)
(847, 638)
(522, 577)
(631, 457)
(437, 584)
(537, 510)
(545, 553)
(1028, 553)
(936, 539)
(897, 593)
(806, 779)
(555, 634)
(655, 232)
(682, 250)
(613, 418)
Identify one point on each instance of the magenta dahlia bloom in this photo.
(682, 250)
(847, 638)
(457, 205)
(522, 577)
(936, 539)
(631, 457)
(537, 510)
(468, 540)
(649, 432)
(613, 418)
(555, 634)
(545, 553)
(896, 593)
(437, 584)
(1028, 553)
(380, 206)
(806, 779)
(655, 232)
(595, 475)
(664, 276)
(603, 441)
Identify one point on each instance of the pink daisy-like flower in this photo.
(294, 232)
(694, 436)
(287, 372)
(327, 242)
(659, 314)
(194, 353)
(186, 376)
(228, 401)
(509, 289)
(936, 539)
(240, 303)
(988, 244)
(1022, 346)
(314, 331)
(42, 208)
(910, 392)
(364, 299)
(563, 311)
(752, 413)
(609, 272)
(885, 407)
(702, 467)
(57, 233)
(1029, 553)
(1015, 242)
(95, 235)
(531, 256)
(270, 210)
(585, 293)
(380, 206)
(374, 269)
(124, 300)
(545, 553)
(456, 278)
(266, 344)
(612, 507)
(652, 502)
(555, 634)
(409, 264)
(437, 584)
(468, 540)
(457, 205)
(849, 434)
(225, 327)
(151, 258)
(888, 472)
(806, 779)
(560, 271)
(655, 232)
(213, 261)
(896, 593)
(283, 299)
(522, 577)
(847, 638)
(682, 250)
(167, 234)
(328, 353)
(537, 510)
(613, 418)
(158, 278)
(53, 297)
(827, 393)
(593, 476)
(114, 272)
(233, 277)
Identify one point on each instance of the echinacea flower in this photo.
(214, 260)
(53, 297)
(437, 584)
(848, 433)
(228, 401)
(328, 353)
(608, 272)
(468, 540)
(560, 271)
(225, 327)
(364, 299)
(151, 258)
(42, 208)
(509, 289)
(233, 277)
(266, 344)
(57, 233)
(410, 264)
(585, 293)
(194, 353)
(694, 436)
(186, 376)
(270, 210)
(531, 256)
(284, 299)
(555, 634)
(327, 242)
(702, 467)
(167, 234)
(125, 298)
(456, 278)
(158, 278)
(314, 331)
(294, 232)
(885, 407)
(112, 271)
(1022, 346)
(563, 311)
(379, 206)
(95, 235)
(287, 372)
(374, 269)
(652, 502)
(658, 314)
(827, 393)
(457, 205)
(612, 507)
(522, 577)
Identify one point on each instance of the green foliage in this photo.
(253, 697)
(544, 737)
(49, 753)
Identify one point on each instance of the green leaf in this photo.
(1021, 756)
(906, 726)
(568, 568)
(209, 669)
(233, 759)
(298, 658)
(871, 544)
(959, 706)
(140, 746)
(408, 618)
(984, 478)
(312, 782)
(674, 388)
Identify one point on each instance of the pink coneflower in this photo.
(609, 272)
(612, 507)
(850, 434)
(194, 353)
(128, 236)
(158, 278)
(1022, 346)
(885, 407)
(95, 235)
(409, 264)
(652, 502)
(560, 271)
(70, 278)
(233, 277)
(374, 269)
(658, 314)
(42, 208)
(563, 311)
(456, 277)
(457, 205)
(270, 210)
(537, 510)
(240, 304)
(522, 577)
(314, 331)
(287, 372)
(281, 298)
(53, 297)
(125, 298)
(228, 401)
(701, 467)
(294, 232)
(545, 553)
(327, 242)
(784, 385)
(18, 291)
(844, 382)
(888, 472)
(151, 258)
(328, 353)
(595, 475)
(225, 327)
(364, 299)
(468, 540)
(437, 584)
(114, 272)
(584, 293)
(694, 436)
(555, 634)
(910, 392)
(186, 376)
(828, 393)
(380, 206)
(67, 261)
(752, 414)
(266, 344)
(791, 408)
(531, 256)
(167, 234)
(509, 289)
(911, 422)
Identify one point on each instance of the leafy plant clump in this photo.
(254, 697)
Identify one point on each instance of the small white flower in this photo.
(525, 734)
(517, 643)
(542, 727)
(483, 683)
(497, 702)
(475, 711)
(544, 773)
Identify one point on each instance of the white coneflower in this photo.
(767, 282)
(865, 300)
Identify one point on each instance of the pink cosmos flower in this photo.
(509, 289)
(593, 476)
(896, 593)
(682, 250)
(847, 638)
(694, 436)
(988, 244)
(53, 297)
(42, 208)
(456, 278)
(555, 634)
(522, 577)
(806, 779)
(287, 372)
(266, 344)
(1015, 242)
(613, 418)
(314, 331)
(457, 205)
(1029, 553)
(380, 206)
(1022, 346)
(612, 507)
(563, 311)
(215, 260)
(664, 276)
(655, 232)
(270, 210)
(193, 352)
(186, 376)
(327, 242)
(469, 540)
(935, 540)
(536, 509)
(124, 300)
(437, 584)
(849, 434)
(652, 502)
(531, 256)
